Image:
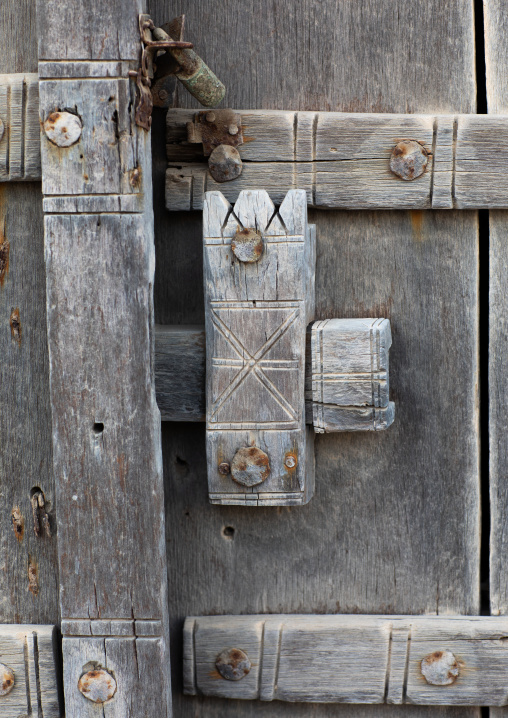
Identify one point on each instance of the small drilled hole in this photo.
(228, 532)
(98, 427)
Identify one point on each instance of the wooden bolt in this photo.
(440, 668)
(63, 129)
(97, 685)
(409, 159)
(233, 664)
(6, 679)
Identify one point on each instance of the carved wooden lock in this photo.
(259, 267)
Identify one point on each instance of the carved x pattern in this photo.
(253, 363)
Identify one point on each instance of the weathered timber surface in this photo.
(20, 152)
(342, 160)
(256, 320)
(352, 659)
(30, 652)
(349, 396)
(29, 570)
(393, 525)
(106, 425)
(496, 58)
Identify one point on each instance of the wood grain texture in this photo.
(25, 412)
(180, 377)
(256, 316)
(30, 651)
(106, 425)
(350, 659)
(393, 525)
(342, 160)
(496, 60)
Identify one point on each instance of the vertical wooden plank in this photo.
(106, 425)
(394, 523)
(28, 563)
(496, 62)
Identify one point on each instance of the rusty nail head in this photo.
(233, 129)
(250, 466)
(6, 679)
(247, 245)
(233, 664)
(409, 159)
(290, 461)
(210, 116)
(225, 163)
(224, 468)
(63, 129)
(440, 668)
(97, 684)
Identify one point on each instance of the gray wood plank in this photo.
(256, 317)
(393, 526)
(351, 659)
(496, 60)
(29, 561)
(106, 425)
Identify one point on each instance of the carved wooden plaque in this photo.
(259, 296)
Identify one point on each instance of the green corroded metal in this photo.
(198, 79)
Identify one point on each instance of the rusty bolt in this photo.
(440, 668)
(225, 163)
(247, 245)
(290, 461)
(409, 159)
(2, 129)
(97, 684)
(233, 664)
(63, 129)
(224, 468)
(6, 679)
(250, 466)
(233, 129)
(163, 95)
(210, 116)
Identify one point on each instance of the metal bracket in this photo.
(220, 132)
(188, 67)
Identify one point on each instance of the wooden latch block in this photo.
(28, 671)
(419, 660)
(259, 297)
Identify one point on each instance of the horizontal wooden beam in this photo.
(342, 160)
(354, 399)
(420, 660)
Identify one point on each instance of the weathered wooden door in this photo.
(402, 521)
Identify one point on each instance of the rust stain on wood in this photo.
(18, 523)
(15, 325)
(33, 577)
(4, 258)
(417, 224)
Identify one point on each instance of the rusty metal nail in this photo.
(224, 468)
(233, 664)
(250, 466)
(409, 159)
(6, 679)
(247, 245)
(440, 668)
(2, 129)
(290, 461)
(225, 163)
(233, 129)
(163, 95)
(63, 129)
(97, 684)
(210, 116)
